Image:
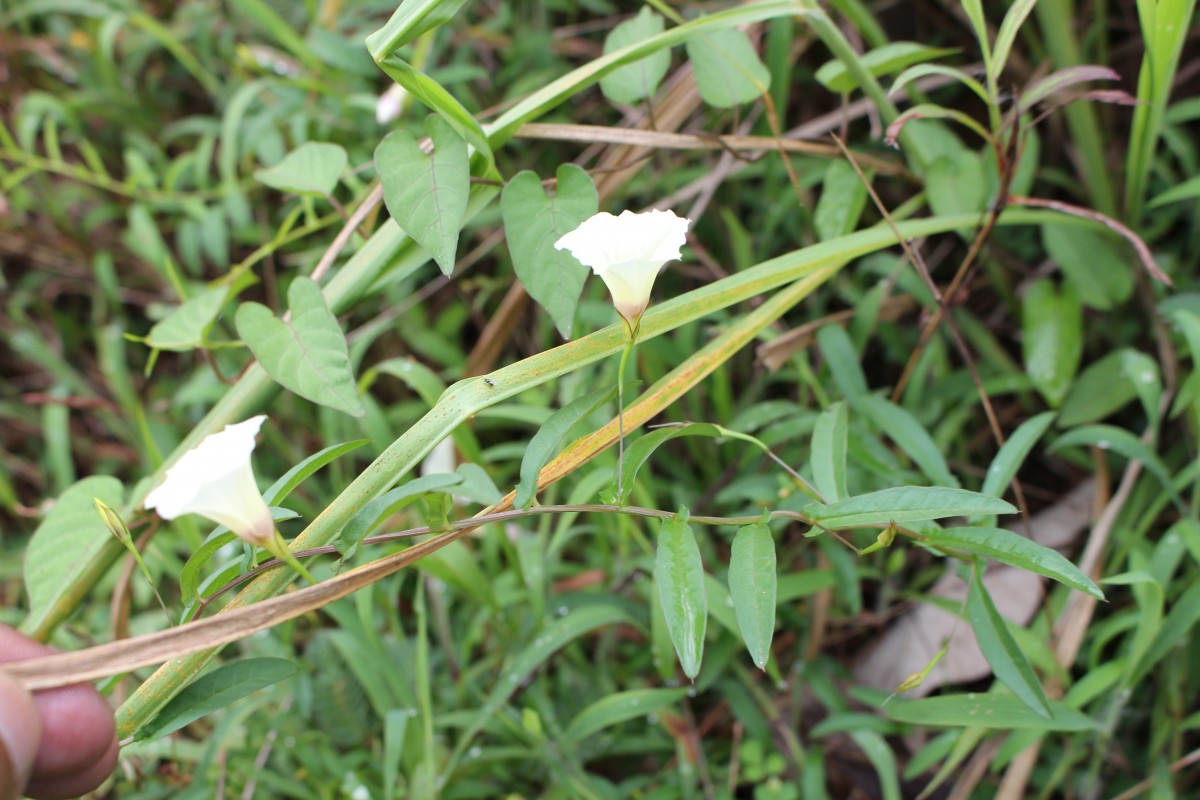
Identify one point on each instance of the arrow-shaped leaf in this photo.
(427, 194)
(307, 354)
(533, 222)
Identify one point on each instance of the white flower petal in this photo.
(390, 104)
(627, 252)
(215, 480)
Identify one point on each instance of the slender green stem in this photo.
(628, 349)
(539, 510)
(279, 549)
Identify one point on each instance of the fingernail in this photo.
(20, 736)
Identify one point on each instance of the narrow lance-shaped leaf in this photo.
(533, 222)
(215, 691)
(680, 577)
(410, 20)
(307, 354)
(639, 452)
(1119, 440)
(427, 194)
(904, 429)
(1009, 547)
(287, 482)
(998, 711)
(884, 60)
(829, 441)
(752, 585)
(843, 198)
(544, 443)
(905, 504)
(1006, 463)
(1052, 338)
(618, 708)
(842, 360)
(575, 624)
(1000, 649)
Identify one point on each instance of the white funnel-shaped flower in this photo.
(215, 480)
(627, 252)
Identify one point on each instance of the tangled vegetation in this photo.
(889, 490)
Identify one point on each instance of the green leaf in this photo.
(457, 566)
(1119, 440)
(884, 60)
(639, 80)
(268, 20)
(796, 585)
(989, 711)
(187, 327)
(378, 510)
(307, 354)
(1188, 190)
(955, 183)
(214, 691)
(1000, 649)
(1007, 35)
(1060, 80)
(1013, 549)
(903, 429)
(843, 198)
(67, 541)
(1100, 390)
(680, 578)
(1095, 263)
(637, 453)
(752, 585)
(533, 222)
(1183, 616)
(617, 708)
(427, 195)
(287, 482)
(829, 439)
(477, 486)
(578, 622)
(410, 20)
(905, 504)
(880, 754)
(313, 169)
(720, 605)
(1052, 338)
(728, 70)
(544, 443)
(1006, 463)
(922, 70)
(451, 111)
(842, 360)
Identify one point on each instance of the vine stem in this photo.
(278, 548)
(126, 655)
(504, 516)
(631, 339)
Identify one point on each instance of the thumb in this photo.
(20, 736)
